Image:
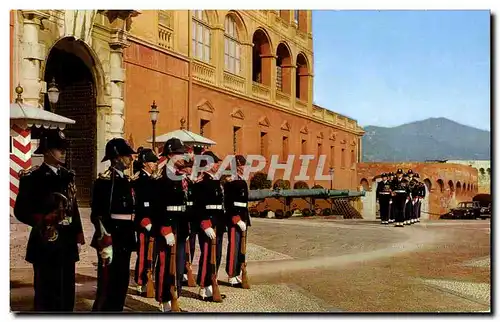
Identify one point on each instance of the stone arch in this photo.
(301, 77)
(440, 185)
(481, 171)
(89, 57)
(364, 184)
(284, 68)
(262, 54)
(451, 186)
(488, 171)
(458, 188)
(80, 79)
(240, 23)
(428, 183)
(468, 187)
(213, 17)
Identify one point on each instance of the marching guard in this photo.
(47, 202)
(146, 196)
(172, 228)
(408, 203)
(236, 206)
(384, 198)
(208, 196)
(114, 239)
(399, 187)
(420, 196)
(391, 207)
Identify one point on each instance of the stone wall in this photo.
(484, 172)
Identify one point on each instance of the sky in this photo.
(387, 68)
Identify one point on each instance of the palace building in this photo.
(241, 78)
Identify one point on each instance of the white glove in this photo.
(107, 255)
(210, 232)
(187, 238)
(148, 227)
(170, 239)
(242, 225)
(390, 202)
(79, 247)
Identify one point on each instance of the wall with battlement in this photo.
(447, 183)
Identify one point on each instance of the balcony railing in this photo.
(282, 99)
(261, 91)
(203, 72)
(234, 82)
(165, 37)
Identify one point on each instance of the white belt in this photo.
(240, 204)
(189, 203)
(122, 216)
(400, 191)
(213, 207)
(176, 208)
(385, 193)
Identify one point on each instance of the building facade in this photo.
(241, 78)
(446, 185)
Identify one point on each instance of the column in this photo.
(117, 77)
(32, 53)
(218, 53)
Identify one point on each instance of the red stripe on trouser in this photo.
(162, 274)
(232, 243)
(140, 258)
(204, 266)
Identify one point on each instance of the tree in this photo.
(259, 181)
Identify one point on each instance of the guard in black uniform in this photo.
(391, 208)
(415, 192)
(408, 205)
(47, 202)
(172, 225)
(113, 207)
(420, 196)
(384, 198)
(400, 191)
(147, 200)
(236, 207)
(208, 196)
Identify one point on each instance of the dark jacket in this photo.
(236, 200)
(113, 194)
(384, 189)
(147, 199)
(36, 201)
(208, 192)
(400, 187)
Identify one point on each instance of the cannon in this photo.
(254, 195)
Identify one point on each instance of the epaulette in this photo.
(27, 172)
(106, 175)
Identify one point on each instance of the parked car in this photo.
(485, 212)
(465, 210)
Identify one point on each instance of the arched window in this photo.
(489, 171)
(261, 52)
(428, 183)
(441, 185)
(459, 187)
(481, 171)
(301, 78)
(364, 184)
(232, 48)
(451, 186)
(201, 36)
(283, 64)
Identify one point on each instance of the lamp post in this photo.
(153, 116)
(53, 94)
(330, 171)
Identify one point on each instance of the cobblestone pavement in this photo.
(321, 266)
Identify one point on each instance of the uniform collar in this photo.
(147, 173)
(51, 167)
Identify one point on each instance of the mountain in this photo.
(430, 139)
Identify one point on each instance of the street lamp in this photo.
(53, 94)
(330, 171)
(153, 116)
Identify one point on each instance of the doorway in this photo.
(68, 64)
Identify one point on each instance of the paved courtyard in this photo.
(319, 265)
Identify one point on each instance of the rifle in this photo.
(150, 288)
(191, 282)
(215, 285)
(244, 277)
(173, 274)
